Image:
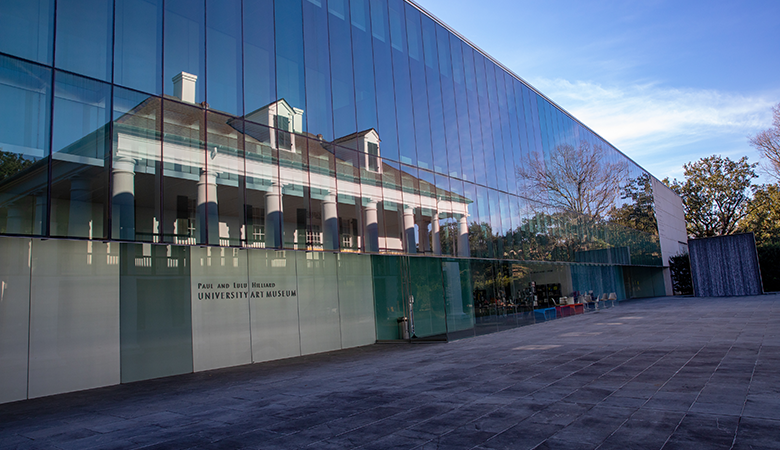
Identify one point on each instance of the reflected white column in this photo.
(80, 211)
(436, 233)
(411, 242)
(273, 216)
(330, 223)
(124, 198)
(422, 227)
(372, 227)
(463, 237)
(208, 217)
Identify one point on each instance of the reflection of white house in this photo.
(344, 183)
(256, 182)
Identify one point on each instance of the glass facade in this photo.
(329, 128)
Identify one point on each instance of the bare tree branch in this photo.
(576, 179)
(768, 143)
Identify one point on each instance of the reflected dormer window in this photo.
(283, 137)
(373, 157)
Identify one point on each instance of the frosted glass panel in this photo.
(318, 298)
(356, 300)
(14, 317)
(156, 331)
(220, 308)
(273, 300)
(74, 316)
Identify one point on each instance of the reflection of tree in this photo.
(12, 163)
(578, 179)
(481, 240)
(639, 212)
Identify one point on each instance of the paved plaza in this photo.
(666, 373)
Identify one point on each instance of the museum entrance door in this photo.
(411, 287)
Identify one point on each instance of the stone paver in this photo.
(662, 373)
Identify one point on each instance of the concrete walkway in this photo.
(660, 373)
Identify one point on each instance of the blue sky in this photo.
(666, 82)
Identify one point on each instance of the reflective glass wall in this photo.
(319, 125)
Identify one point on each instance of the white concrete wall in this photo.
(671, 226)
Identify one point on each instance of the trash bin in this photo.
(403, 328)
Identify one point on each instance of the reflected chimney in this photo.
(184, 86)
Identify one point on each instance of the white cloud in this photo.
(642, 115)
(660, 127)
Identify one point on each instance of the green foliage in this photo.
(12, 163)
(763, 217)
(639, 212)
(680, 268)
(769, 261)
(715, 195)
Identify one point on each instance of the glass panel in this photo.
(365, 91)
(138, 45)
(136, 167)
(288, 26)
(322, 233)
(449, 106)
(186, 217)
(220, 308)
(185, 47)
(80, 144)
(259, 54)
(402, 82)
(456, 276)
(318, 301)
(391, 210)
(383, 73)
(427, 213)
(14, 318)
(387, 295)
(84, 37)
(484, 296)
(319, 109)
(294, 179)
(422, 124)
(225, 163)
(24, 146)
(224, 82)
(488, 151)
(410, 210)
(509, 315)
(426, 287)
(356, 300)
(438, 141)
(262, 205)
(341, 71)
(475, 159)
(349, 198)
(27, 28)
(74, 316)
(273, 300)
(155, 317)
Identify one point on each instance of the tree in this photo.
(715, 194)
(577, 179)
(768, 143)
(763, 217)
